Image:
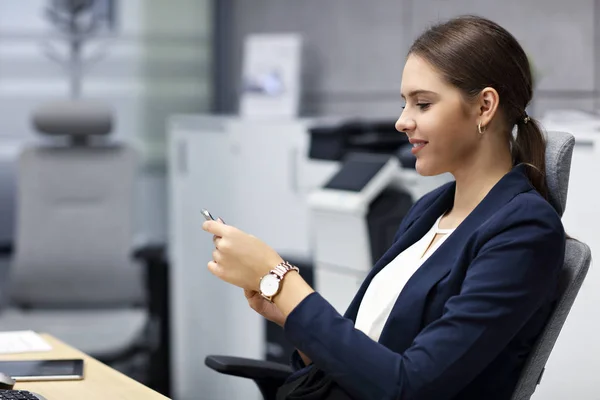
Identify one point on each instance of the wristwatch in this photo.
(270, 284)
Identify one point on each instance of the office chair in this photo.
(74, 272)
(270, 376)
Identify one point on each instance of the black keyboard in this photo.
(19, 395)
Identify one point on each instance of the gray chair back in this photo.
(74, 225)
(559, 152)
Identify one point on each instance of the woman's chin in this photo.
(424, 169)
(428, 169)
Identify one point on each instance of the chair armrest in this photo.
(6, 249)
(249, 368)
(267, 375)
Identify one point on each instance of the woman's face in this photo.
(439, 123)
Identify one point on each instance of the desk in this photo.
(100, 383)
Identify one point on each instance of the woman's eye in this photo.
(423, 106)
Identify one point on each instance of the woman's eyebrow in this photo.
(417, 92)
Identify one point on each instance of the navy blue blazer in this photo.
(465, 322)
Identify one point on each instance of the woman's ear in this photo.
(489, 100)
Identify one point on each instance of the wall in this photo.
(355, 50)
(156, 63)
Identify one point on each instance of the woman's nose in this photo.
(404, 123)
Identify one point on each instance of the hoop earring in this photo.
(479, 128)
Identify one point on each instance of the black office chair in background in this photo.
(269, 376)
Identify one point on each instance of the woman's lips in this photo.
(417, 145)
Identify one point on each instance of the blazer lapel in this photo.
(416, 231)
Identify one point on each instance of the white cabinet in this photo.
(208, 316)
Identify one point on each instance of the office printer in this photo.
(356, 214)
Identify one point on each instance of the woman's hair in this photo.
(473, 53)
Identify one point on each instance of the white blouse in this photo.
(386, 286)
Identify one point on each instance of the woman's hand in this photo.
(239, 258)
(264, 307)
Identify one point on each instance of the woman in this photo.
(452, 310)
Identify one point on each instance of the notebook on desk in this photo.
(12, 342)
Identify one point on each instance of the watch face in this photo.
(269, 285)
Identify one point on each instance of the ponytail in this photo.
(529, 148)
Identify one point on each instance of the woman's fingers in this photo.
(216, 228)
(221, 244)
(215, 269)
